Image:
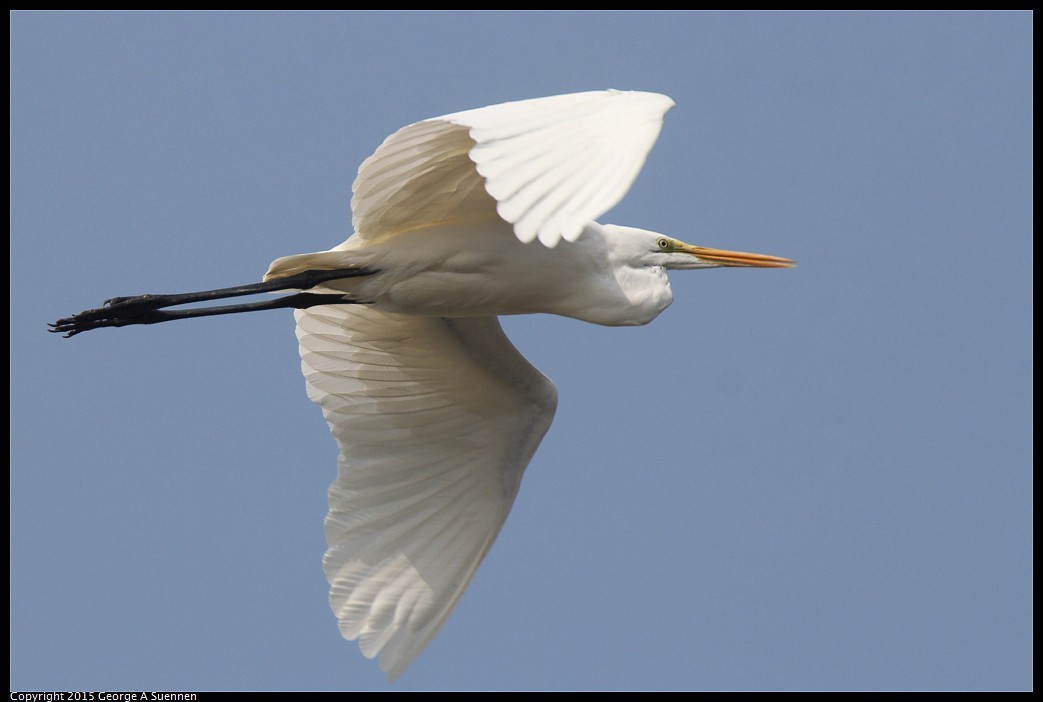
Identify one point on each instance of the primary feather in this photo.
(548, 165)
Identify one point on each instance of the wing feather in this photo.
(548, 165)
(436, 420)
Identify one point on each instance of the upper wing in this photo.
(548, 165)
(435, 419)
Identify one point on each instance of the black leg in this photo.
(149, 309)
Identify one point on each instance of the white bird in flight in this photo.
(458, 219)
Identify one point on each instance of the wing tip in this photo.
(465, 117)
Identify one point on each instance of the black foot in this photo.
(117, 312)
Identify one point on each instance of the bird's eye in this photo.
(664, 244)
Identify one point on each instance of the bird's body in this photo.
(458, 220)
(483, 269)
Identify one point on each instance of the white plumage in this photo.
(435, 412)
(550, 164)
(435, 419)
(458, 220)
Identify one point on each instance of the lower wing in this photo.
(436, 420)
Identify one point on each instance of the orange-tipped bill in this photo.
(739, 258)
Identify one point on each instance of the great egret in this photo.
(435, 412)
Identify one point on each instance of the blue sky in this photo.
(808, 479)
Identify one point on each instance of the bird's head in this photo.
(653, 249)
